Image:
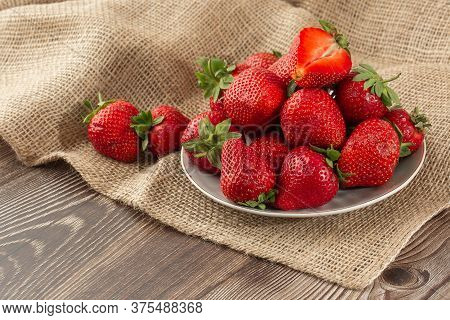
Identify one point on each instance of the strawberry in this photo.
(109, 129)
(216, 106)
(271, 148)
(246, 178)
(363, 95)
(204, 137)
(160, 129)
(411, 129)
(306, 180)
(252, 99)
(259, 59)
(370, 154)
(284, 67)
(311, 116)
(322, 56)
(293, 48)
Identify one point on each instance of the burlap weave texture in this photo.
(54, 55)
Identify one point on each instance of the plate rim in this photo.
(297, 214)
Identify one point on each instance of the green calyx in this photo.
(377, 85)
(210, 140)
(291, 87)
(420, 120)
(142, 123)
(342, 175)
(94, 110)
(262, 201)
(404, 149)
(277, 53)
(396, 128)
(340, 39)
(214, 76)
(404, 146)
(331, 157)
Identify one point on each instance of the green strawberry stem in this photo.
(214, 76)
(142, 123)
(340, 39)
(396, 128)
(419, 119)
(262, 201)
(377, 85)
(291, 87)
(342, 175)
(277, 53)
(404, 146)
(93, 111)
(210, 140)
(331, 157)
(393, 78)
(404, 149)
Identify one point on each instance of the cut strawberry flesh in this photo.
(320, 60)
(314, 43)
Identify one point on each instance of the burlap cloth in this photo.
(52, 56)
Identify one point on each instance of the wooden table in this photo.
(59, 239)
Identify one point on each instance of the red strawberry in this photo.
(285, 66)
(322, 57)
(293, 48)
(253, 98)
(204, 137)
(260, 60)
(271, 148)
(311, 116)
(370, 154)
(109, 129)
(216, 106)
(246, 178)
(160, 129)
(306, 181)
(412, 128)
(363, 95)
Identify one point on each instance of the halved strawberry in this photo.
(322, 56)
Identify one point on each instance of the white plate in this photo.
(344, 201)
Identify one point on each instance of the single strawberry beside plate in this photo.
(160, 129)
(109, 129)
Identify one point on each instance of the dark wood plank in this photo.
(59, 239)
(419, 272)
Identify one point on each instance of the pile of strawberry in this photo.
(285, 131)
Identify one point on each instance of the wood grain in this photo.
(61, 240)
